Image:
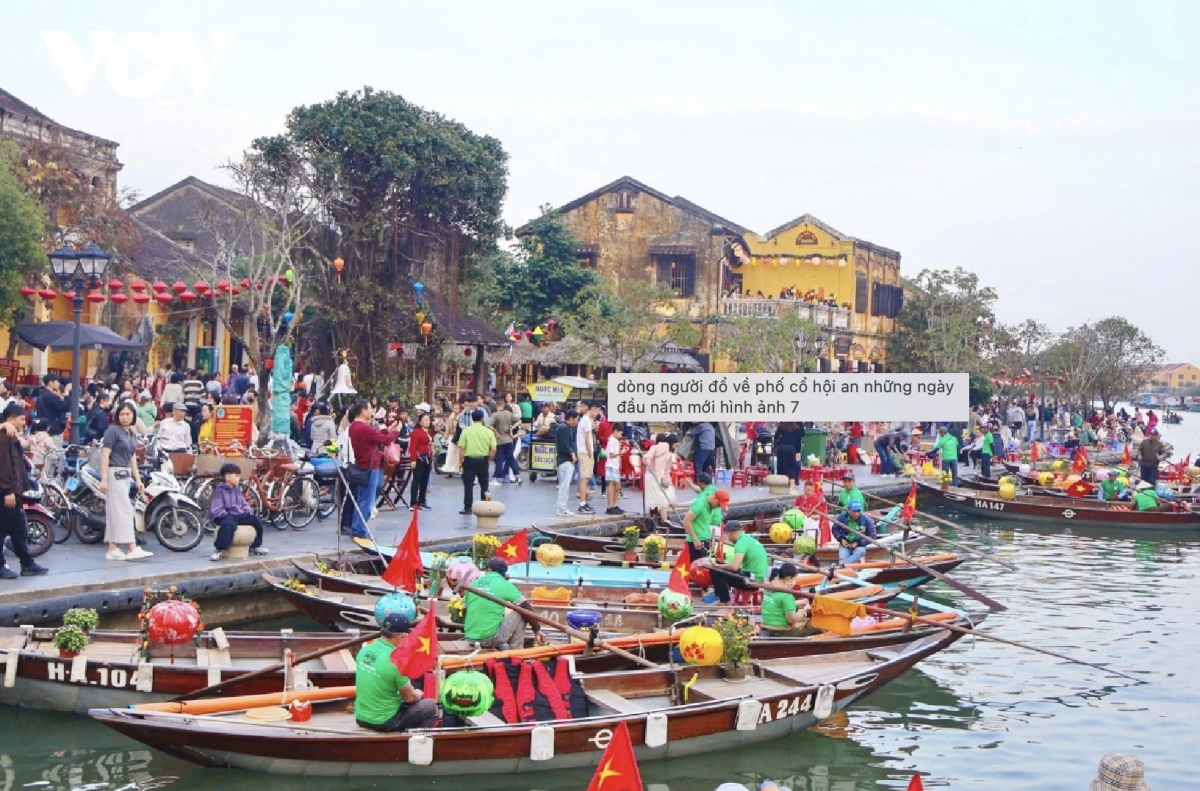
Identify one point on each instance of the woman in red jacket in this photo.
(420, 452)
(365, 442)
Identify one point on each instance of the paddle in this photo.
(529, 615)
(263, 671)
(952, 628)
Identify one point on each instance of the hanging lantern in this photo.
(119, 298)
(420, 317)
(245, 282)
(468, 693)
(843, 261)
(290, 275)
(235, 291)
(784, 260)
(115, 285)
(142, 298)
(467, 352)
(258, 286)
(206, 293)
(754, 261)
(69, 295)
(159, 286)
(187, 296)
(426, 327)
(47, 294)
(673, 605)
(339, 265)
(550, 555)
(419, 287)
(551, 323)
(270, 363)
(529, 335)
(224, 285)
(164, 297)
(287, 317)
(201, 285)
(701, 645)
(271, 280)
(816, 260)
(138, 286)
(28, 292)
(172, 622)
(538, 332)
(179, 287)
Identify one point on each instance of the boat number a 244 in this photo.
(989, 505)
(788, 707)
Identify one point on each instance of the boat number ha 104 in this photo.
(788, 707)
(116, 677)
(989, 505)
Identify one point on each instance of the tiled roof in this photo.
(220, 193)
(11, 105)
(159, 257)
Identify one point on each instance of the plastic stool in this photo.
(741, 598)
(738, 478)
(724, 475)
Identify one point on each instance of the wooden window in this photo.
(587, 260)
(860, 293)
(625, 200)
(678, 272)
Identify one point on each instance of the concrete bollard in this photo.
(777, 484)
(487, 513)
(243, 537)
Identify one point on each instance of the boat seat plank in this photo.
(610, 700)
(201, 657)
(113, 652)
(334, 662)
(719, 689)
(348, 659)
(816, 673)
(487, 718)
(219, 657)
(13, 641)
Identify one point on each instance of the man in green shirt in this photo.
(946, 445)
(706, 510)
(478, 443)
(986, 451)
(1111, 488)
(850, 491)
(492, 625)
(1145, 498)
(780, 615)
(749, 561)
(385, 700)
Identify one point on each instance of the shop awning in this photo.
(61, 335)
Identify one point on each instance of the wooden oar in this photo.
(263, 671)
(961, 630)
(529, 615)
(931, 517)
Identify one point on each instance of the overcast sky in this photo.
(1052, 148)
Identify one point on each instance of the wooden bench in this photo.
(614, 702)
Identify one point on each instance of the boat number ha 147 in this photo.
(989, 505)
(108, 677)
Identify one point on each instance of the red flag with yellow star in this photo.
(418, 652)
(515, 549)
(910, 504)
(681, 571)
(1080, 462)
(406, 567)
(1126, 459)
(618, 769)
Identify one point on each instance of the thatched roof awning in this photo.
(568, 351)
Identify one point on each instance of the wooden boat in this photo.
(779, 697)
(1059, 511)
(357, 610)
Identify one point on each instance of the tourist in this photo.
(850, 492)
(565, 458)
(493, 626)
(706, 510)
(323, 431)
(1016, 419)
(42, 448)
(502, 424)
(1120, 772)
(612, 468)
(987, 449)
(117, 474)
(1150, 452)
(420, 453)
(384, 699)
(52, 406)
(585, 451)
(365, 441)
(883, 448)
(1111, 488)
(946, 446)
(545, 423)
(705, 454)
(656, 475)
(97, 418)
(780, 615)
(786, 447)
(478, 444)
(851, 530)
(193, 392)
(229, 509)
(174, 433)
(206, 433)
(147, 412)
(749, 562)
(450, 434)
(14, 479)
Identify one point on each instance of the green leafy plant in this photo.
(85, 618)
(736, 631)
(71, 638)
(630, 537)
(654, 546)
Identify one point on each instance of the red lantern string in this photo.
(119, 298)
(48, 294)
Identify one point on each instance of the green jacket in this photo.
(948, 446)
(1145, 499)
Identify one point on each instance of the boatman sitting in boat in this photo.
(493, 625)
(1146, 498)
(849, 530)
(780, 615)
(385, 700)
(850, 491)
(749, 561)
(1112, 489)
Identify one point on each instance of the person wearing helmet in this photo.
(850, 531)
(492, 625)
(229, 509)
(384, 699)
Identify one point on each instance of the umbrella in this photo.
(61, 335)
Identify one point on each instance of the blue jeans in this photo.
(851, 555)
(366, 497)
(506, 462)
(564, 484)
(885, 459)
(952, 467)
(703, 460)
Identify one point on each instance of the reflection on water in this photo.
(980, 716)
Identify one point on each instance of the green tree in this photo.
(945, 326)
(1109, 359)
(623, 322)
(762, 345)
(544, 278)
(21, 232)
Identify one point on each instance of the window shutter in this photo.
(876, 297)
(664, 270)
(860, 294)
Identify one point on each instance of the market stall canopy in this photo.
(675, 357)
(61, 335)
(575, 382)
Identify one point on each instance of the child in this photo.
(612, 468)
(229, 509)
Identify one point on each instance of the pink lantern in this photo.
(120, 299)
(187, 296)
(95, 297)
(142, 298)
(115, 285)
(179, 287)
(164, 297)
(138, 285)
(173, 622)
(28, 292)
(47, 294)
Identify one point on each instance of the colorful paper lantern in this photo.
(187, 296)
(396, 603)
(115, 285)
(179, 287)
(793, 518)
(701, 645)
(28, 292)
(164, 297)
(804, 545)
(138, 285)
(245, 282)
(550, 555)
(468, 351)
(780, 533)
(142, 298)
(290, 276)
(700, 573)
(224, 285)
(339, 265)
(1007, 490)
(426, 327)
(159, 286)
(468, 693)
(172, 622)
(47, 294)
(673, 605)
(95, 297)
(120, 299)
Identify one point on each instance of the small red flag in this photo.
(618, 769)
(1034, 453)
(1126, 458)
(418, 652)
(915, 784)
(1081, 489)
(405, 567)
(515, 549)
(680, 571)
(910, 504)
(1080, 462)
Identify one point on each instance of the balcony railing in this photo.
(821, 315)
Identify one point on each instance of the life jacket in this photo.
(555, 689)
(502, 685)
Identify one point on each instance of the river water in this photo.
(980, 716)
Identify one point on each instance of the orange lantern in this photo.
(701, 645)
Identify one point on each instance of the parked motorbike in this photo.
(39, 523)
(161, 508)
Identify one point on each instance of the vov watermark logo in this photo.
(161, 52)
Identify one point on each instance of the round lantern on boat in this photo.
(1008, 491)
(673, 605)
(699, 573)
(1045, 478)
(701, 645)
(804, 546)
(1059, 465)
(1007, 479)
(550, 555)
(780, 533)
(1024, 469)
(467, 693)
(396, 603)
(908, 470)
(793, 518)
(172, 622)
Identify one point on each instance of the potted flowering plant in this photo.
(483, 547)
(654, 546)
(85, 618)
(70, 640)
(946, 480)
(629, 539)
(736, 632)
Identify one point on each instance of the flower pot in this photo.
(734, 672)
(630, 557)
(65, 654)
(945, 487)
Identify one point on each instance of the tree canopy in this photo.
(545, 278)
(626, 319)
(21, 231)
(763, 345)
(945, 326)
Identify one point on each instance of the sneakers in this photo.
(424, 507)
(564, 512)
(115, 554)
(218, 555)
(614, 511)
(137, 553)
(8, 574)
(33, 570)
(259, 551)
(586, 508)
(465, 512)
(497, 483)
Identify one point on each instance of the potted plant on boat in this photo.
(736, 632)
(629, 539)
(85, 618)
(946, 480)
(70, 640)
(654, 546)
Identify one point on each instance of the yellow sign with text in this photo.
(549, 391)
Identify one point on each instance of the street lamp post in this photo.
(77, 270)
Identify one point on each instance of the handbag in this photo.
(391, 455)
(357, 476)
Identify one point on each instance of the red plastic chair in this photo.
(738, 479)
(741, 598)
(757, 474)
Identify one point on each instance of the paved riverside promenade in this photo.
(79, 571)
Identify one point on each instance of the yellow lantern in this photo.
(1045, 478)
(701, 645)
(1059, 465)
(550, 555)
(927, 468)
(1193, 472)
(908, 470)
(1008, 479)
(1007, 491)
(780, 533)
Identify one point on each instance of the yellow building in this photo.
(850, 286)
(1176, 377)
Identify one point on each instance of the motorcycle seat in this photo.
(288, 467)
